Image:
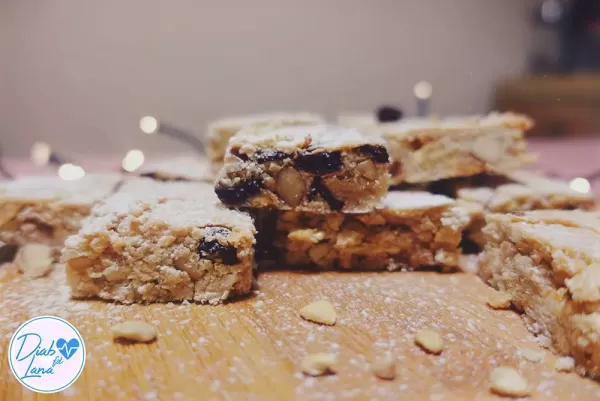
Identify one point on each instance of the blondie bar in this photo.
(528, 191)
(179, 168)
(318, 168)
(425, 150)
(549, 263)
(413, 229)
(219, 132)
(161, 250)
(48, 209)
(521, 191)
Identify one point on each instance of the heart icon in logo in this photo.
(67, 348)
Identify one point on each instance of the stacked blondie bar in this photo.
(319, 194)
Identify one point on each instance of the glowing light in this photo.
(70, 172)
(423, 90)
(580, 185)
(40, 153)
(149, 124)
(133, 160)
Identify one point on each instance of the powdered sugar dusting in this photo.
(253, 347)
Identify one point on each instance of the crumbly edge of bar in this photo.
(134, 260)
(39, 222)
(351, 181)
(375, 241)
(519, 197)
(217, 139)
(220, 131)
(528, 272)
(421, 157)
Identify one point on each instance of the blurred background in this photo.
(80, 74)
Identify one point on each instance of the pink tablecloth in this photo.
(564, 158)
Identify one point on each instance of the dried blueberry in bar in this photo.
(161, 250)
(317, 168)
(413, 229)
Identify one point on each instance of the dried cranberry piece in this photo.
(318, 187)
(319, 163)
(377, 153)
(239, 193)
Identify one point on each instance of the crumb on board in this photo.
(507, 381)
(430, 340)
(34, 260)
(320, 311)
(564, 364)
(500, 300)
(318, 364)
(134, 330)
(384, 367)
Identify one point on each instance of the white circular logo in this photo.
(46, 354)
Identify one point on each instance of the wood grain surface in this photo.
(251, 349)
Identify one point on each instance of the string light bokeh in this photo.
(133, 160)
(148, 124)
(71, 172)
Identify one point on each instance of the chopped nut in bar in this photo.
(413, 229)
(48, 209)
(219, 132)
(161, 250)
(425, 150)
(549, 263)
(316, 168)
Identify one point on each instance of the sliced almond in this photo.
(430, 340)
(384, 367)
(320, 311)
(134, 330)
(507, 381)
(290, 186)
(318, 364)
(367, 169)
(311, 235)
(319, 252)
(34, 260)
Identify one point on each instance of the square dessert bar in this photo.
(521, 191)
(219, 132)
(161, 250)
(413, 229)
(179, 168)
(316, 168)
(48, 209)
(527, 191)
(425, 150)
(549, 263)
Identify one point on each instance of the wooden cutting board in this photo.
(251, 349)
